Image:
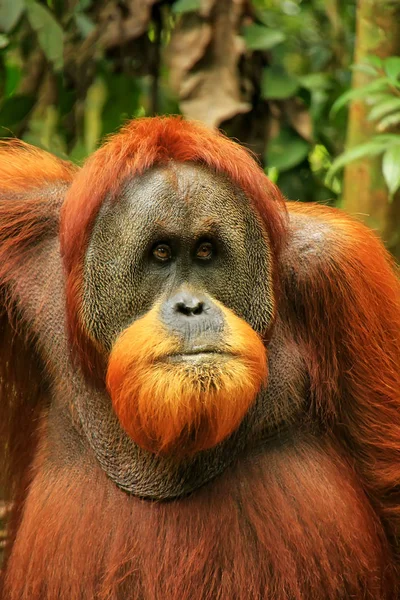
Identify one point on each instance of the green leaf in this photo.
(384, 108)
(84, 24)
(365, 68)
(83, 5)
(13, 78)
(13, 110)
(315, 81)
(184, 6)
(122, 101)
(357, 93)
(375, 61)
(10, 13)
(391, 169)
(96, 97)
(388, 122)
(78, 152)
(277, 84)
(258, 37)
(49, 32)
(4, 41)
(392, 67)
(376, 146)
(42, 131)
(286, 150)
(378, 97)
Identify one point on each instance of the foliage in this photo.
(266, 72)
(382, 95)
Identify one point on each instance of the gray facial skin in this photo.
(180, 205)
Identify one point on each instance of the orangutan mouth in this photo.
(200, 355)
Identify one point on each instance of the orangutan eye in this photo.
(204, 251)
(162, 252)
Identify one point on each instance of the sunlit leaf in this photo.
(258, 37)
(82, 5)
(95, 100)
(10, 13)
(43, 132)
(388, 122)
(315, 81)
(365, 68)
(374, 60)
(376, 146)
(286, 150)
(362, 92)
(392, 67)
(378, 97)
(184, 6)
(84, 24)
(4, 41)
(49, 32)
(277, 84)
(391, 169)
(384, 108)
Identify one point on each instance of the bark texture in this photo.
(365, 192)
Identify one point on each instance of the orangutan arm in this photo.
(344, 308)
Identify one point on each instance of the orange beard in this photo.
(182, 407)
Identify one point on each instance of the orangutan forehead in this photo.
(187, 195)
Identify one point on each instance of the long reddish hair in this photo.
(32, 187)
(345, 315)
(176, 409)
(289, 523)
(28, 177)
(140, 145)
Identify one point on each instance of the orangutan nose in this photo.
(188, 312)
(189, 305)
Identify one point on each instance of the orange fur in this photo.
(32, 185)
(23, 167)
(181, 407)
(288, 524)
(346, 296)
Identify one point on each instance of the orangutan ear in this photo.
(32, 188)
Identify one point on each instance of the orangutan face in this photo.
(177, 292)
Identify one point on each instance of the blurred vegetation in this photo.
(371, 182)
(267, 72)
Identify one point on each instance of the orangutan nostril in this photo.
(189, 307)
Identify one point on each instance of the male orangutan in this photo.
(200, 385)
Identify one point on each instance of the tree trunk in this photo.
(365, 193)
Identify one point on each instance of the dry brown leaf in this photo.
(299, 118)
(206, 7)
(120, 29)
(187, 47)
(209, 89)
